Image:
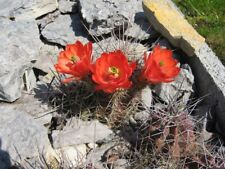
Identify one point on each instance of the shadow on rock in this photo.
(5, 161)
(42, 92)
(142, 21)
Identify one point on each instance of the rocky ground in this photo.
(33, 33)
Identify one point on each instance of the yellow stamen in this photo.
(114, 71)
(74, 58)
(161, 63)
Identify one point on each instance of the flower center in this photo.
(114, 71)
(74, 58)
(161, 63)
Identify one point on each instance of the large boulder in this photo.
(18, 51)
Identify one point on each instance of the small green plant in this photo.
(207, 16)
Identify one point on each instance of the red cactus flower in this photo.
(112, 71)
(160, 66)
(75, 60)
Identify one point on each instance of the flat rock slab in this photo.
(21, 137)
(65, 29)
(18, 50)
(165, 17)
(80, 132)
(105, 15)
(26, 9)
(208, 70)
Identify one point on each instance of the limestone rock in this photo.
(26, 9)
(64, 30)
(80, 132)
(103, 16)
(18, 51)
(21, 136)
(165, 17)
(68, 6)
(180, 89)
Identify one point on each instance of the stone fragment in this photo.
(26, 9)
(146, 97)
(73, 156)
(64, 30)
(18, 50)
(21, 136)
(67, 6)
(165, 17)
(180, 89)
(29, 80)
(80, 132)
(103, 16)
(141, 117)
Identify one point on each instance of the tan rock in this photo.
(166, 18)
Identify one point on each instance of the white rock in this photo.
(64, 30)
